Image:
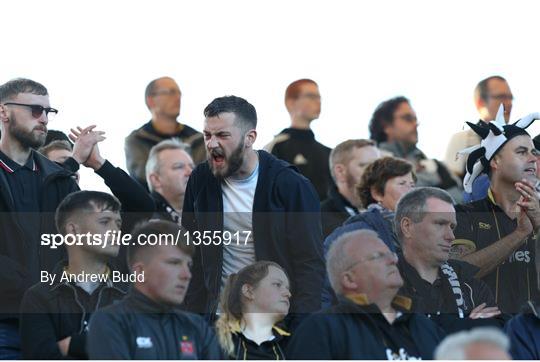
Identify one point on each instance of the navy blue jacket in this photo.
(524, 333)
(348, 330)
(286, 230)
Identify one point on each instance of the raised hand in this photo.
(86, 150)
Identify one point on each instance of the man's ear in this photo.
(150, 102)
(406, 227)
(340, 172)
(138, 267)
(154, 180)
(348, 282)
(289, 104)
(3, 113)
(479, 104)
(387, 128)
(250, 138)
(494, 163)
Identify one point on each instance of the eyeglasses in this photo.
(36, 109)
(166, 92)
(502, 97)
(311, 96)
(379, 255)
(410, 118)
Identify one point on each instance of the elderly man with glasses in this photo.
(31, 187)
(371, 321)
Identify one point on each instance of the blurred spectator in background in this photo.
(489, 94)
(297, 144)
(348, 161)
(162, 97)
(394, 127)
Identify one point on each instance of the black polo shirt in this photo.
(483, 223)
(428, 298)
(24, 183)
(396, 337)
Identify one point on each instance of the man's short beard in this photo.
(25, 138)
(235, 161)
(351, 182)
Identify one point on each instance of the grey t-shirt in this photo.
(237, 219)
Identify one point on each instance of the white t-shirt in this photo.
(237, 217)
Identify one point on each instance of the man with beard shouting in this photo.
(243, 205)
(31, 187)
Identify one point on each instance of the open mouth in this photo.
(530, 170)
(218, 159)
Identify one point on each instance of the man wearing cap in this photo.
(500, 230)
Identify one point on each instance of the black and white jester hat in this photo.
(494, 136)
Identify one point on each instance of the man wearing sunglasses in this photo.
(31, 187)
(394, 127)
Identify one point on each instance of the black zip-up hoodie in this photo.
(286, 230)
(22, 260)
(50, 313)
(139, 328)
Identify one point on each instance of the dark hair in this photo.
(245, 112)
(231, 298)
(12, 88)
(377, 174)
(382, 117)
(55, 145)
(157, 227)
(84, 200)
(412, 205)
(55, 135)
(481, 89)
(293, 90)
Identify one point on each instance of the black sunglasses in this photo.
(37, 110)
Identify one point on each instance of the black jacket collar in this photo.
(306, 134)
(359, 303)
(143, 304)
(340, 201)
